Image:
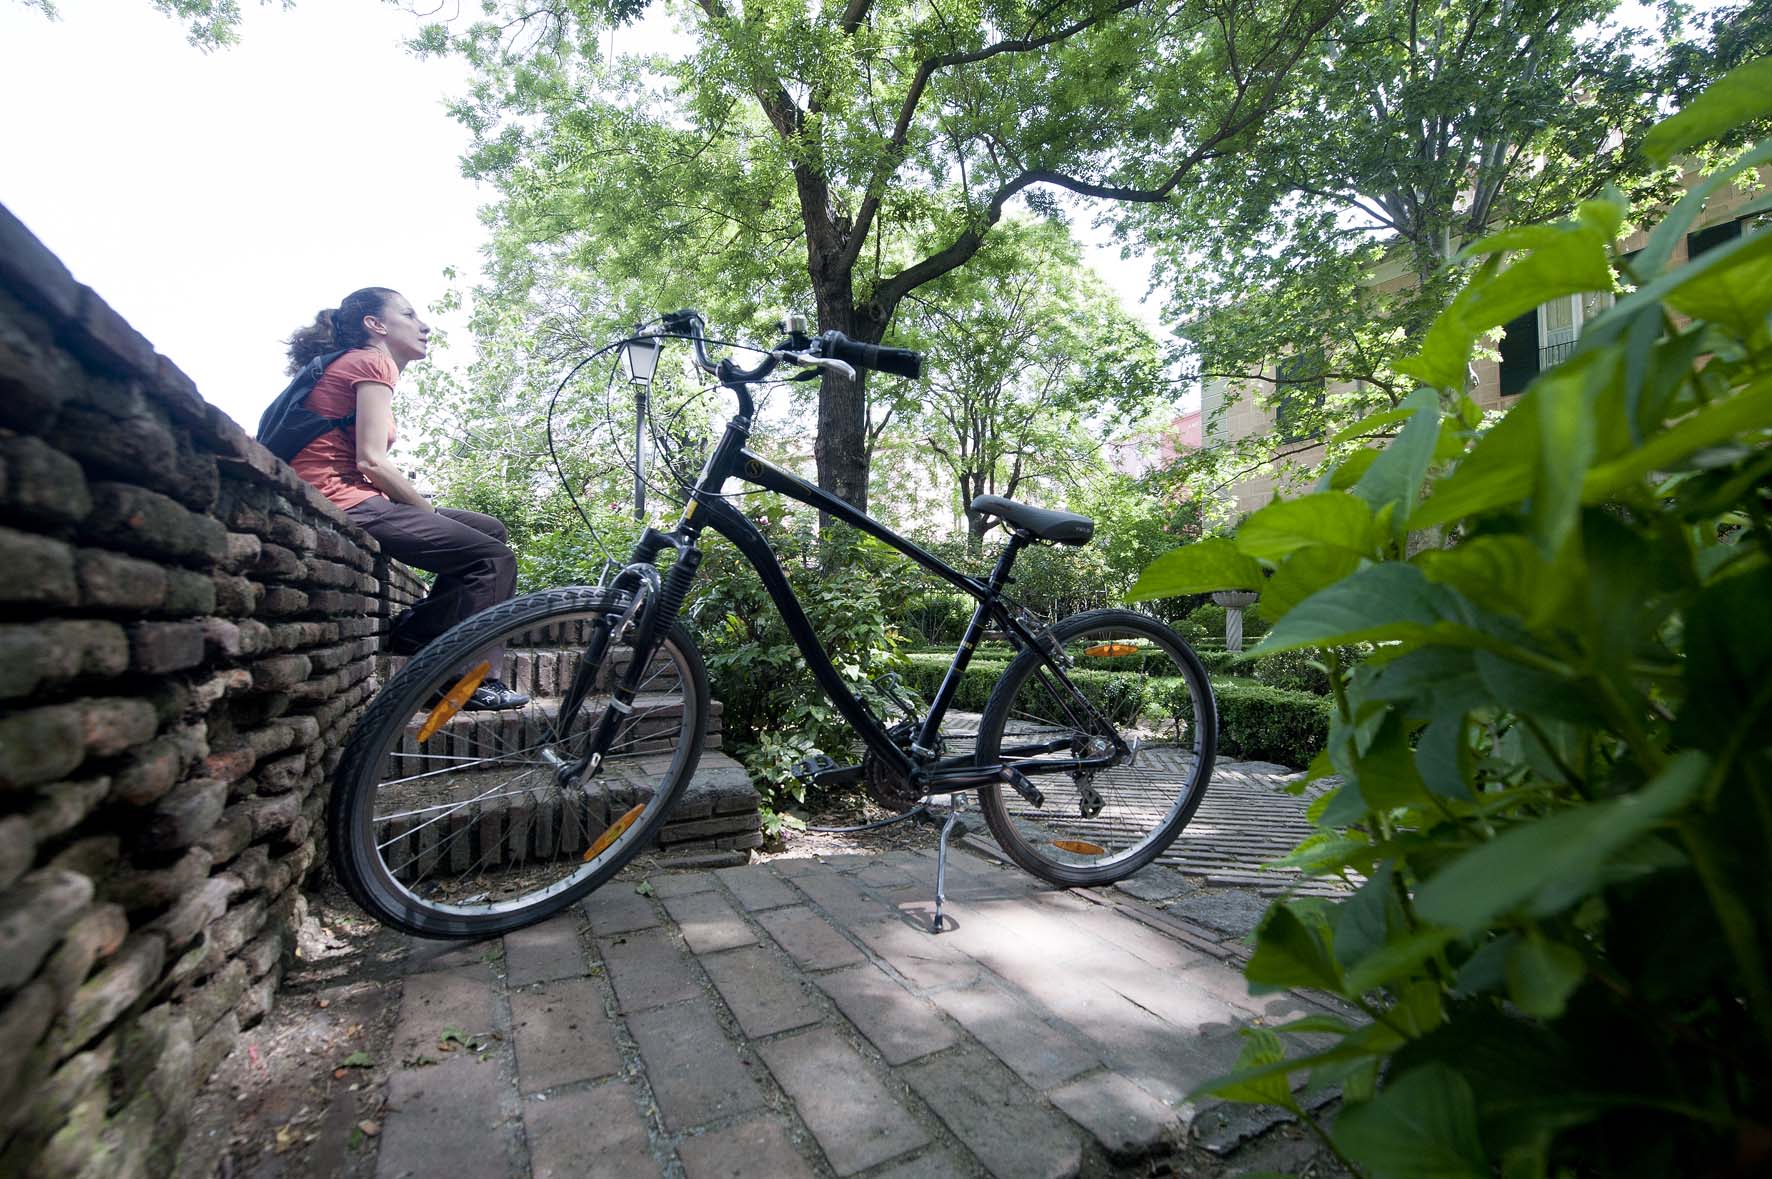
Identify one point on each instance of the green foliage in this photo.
(1261, 723)
(1556, 764)
(775, 712)
(1304, 272)
(838, 157)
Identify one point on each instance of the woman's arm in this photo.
(375, 420)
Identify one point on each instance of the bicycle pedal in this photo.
(1022, 786)
(822, 770)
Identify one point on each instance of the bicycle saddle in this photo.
(1059, 527)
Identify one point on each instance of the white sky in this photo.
(217, 201)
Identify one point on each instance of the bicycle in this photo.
(446, 823)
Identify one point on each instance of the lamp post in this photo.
(640, 358)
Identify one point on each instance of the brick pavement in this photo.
(796, 1018)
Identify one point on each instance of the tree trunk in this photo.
(841, 447)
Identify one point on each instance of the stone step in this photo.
(718, 809)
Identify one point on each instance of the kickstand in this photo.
(941, 862)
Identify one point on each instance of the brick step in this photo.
(535, 670)
(502, 732)
(520, 826)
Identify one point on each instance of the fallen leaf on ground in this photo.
(369, 1127)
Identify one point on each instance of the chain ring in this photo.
(884, 786)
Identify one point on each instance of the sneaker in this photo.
(490, 696)
(494, 694)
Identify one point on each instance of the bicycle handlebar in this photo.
(797, 348)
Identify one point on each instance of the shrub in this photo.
(774, 711)
(1259, 723)
(1555, 770)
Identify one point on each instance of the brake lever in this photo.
(840, 367)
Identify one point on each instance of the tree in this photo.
(1031, 362)
(849, 154)
(1411, 132)
(210, 24)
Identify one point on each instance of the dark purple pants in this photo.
(466, 550)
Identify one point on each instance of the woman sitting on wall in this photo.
(352, 468)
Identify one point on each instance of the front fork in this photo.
(653, 605)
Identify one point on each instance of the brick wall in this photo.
(187, 632)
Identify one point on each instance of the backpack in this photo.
(288, 425)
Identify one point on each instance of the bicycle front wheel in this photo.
(448, 823)
(1134, 685)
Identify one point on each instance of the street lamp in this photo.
(640, 358)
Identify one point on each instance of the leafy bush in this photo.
(775, 712)
(1556, 767)
(1260, 723)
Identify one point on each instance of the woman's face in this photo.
(399, 328)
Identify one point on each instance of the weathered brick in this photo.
(194, 911)
(189, 592)
(213, 1047)
(235, 597)
(708, 923)
(756, 887)
(39, 571)
(199, 477)
(140, 521)
(238, 926)
(756, 1147)
(64, 804)
(105, 338)
(96, 936)
(230, 835)
(293, 534)
(275, 561)
(242, 552)
(562, 1034)
(647, 971)
(96, 857)
(178, 393)
(109, 726)
(41, 745)
(217, 996)
(159, 647)
(18, 847)
(809, 939)
(136, 446)
(280, 601)
(49, 1106)
(23, 1020)
(985, 1108)
(856, 1119)
(157, 766)
(53, 651)
(34, 913)
(30, 268)
(228, 682)
(154, 888)
(765, 996)
(902, 1026)
(255, 637)
(263, 953)
(696, 1073)
(41, 483)
(184, 814)
(269, 815)
(115, 988)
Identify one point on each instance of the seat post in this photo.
(1018, 540)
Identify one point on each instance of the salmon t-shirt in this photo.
(329, 462)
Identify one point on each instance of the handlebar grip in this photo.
(899, 362)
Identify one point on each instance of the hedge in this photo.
(1255, 722)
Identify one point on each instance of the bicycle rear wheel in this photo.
(1100, 824)
(451, 823)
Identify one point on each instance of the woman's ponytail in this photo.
(337, 327)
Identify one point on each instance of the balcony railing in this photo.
(1554, 354)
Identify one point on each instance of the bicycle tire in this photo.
(508, 855)
(1143, 804)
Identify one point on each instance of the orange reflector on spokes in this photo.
(1078, 846)
(1111, 649)
(613, 832)
(453, 700)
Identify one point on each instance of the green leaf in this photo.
(1541, 974)
(1422, 1125)
(1395, 475)
(357, 1060)
(1751, 409)
(1329, 518)
(1260, 1047)
(1204, 567)
(1505, 572)
(1292, 952)
(1739, 97)
(1367, 426)
(1396, 959)
(1380, 602)
(1735, 293)
(1303, 574)
(1563, 401)
(1496, 473)
(1552, 857)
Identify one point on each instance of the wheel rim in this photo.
(473, 823)
(1140, 683)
